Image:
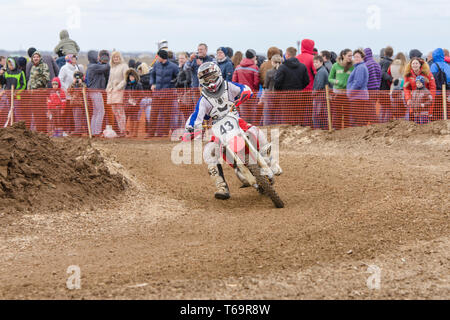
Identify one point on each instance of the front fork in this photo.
(253, 155)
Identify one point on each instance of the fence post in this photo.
(444, 100)
(12, 105)
(330, 125)
(87, 112)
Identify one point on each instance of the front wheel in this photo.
(265, 187)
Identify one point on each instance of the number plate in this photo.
(226, 129)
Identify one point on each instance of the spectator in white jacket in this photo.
(67, 71)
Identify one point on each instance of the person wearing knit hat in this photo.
(225, 64)
(224, 50)
(48, 60)
(163, 54)
(421, 102)
(163, 76)
(414, 53)
(250, 54)
(31, 51)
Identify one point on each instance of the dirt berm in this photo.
(39, 172)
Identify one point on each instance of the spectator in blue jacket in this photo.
(163, 76)
(225, 64)
(196, 60)
(357, 91)
(439, 63)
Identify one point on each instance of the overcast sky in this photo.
(136, 25)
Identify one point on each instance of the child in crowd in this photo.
(75, 92)
(421, 102)
(56, 104)
(132, 97)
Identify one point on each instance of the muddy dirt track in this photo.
(376, 196)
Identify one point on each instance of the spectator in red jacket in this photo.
(417, 67)
(307, 58)
(248, 73)
(56, 103)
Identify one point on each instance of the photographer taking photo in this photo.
(195, 61)
(77, 104)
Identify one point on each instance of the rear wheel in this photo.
(265, 187)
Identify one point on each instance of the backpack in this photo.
(440, 77)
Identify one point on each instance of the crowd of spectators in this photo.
(362, 89)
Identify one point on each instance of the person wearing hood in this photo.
(291, 75)
(338, 77)
(374, 69)
(115, 87)
(133, 95)
(67, 71)
(357, 92)
(56, 105)
(39, 78)
(65, 47)
(225, 64)
(440, 65)
(417, 67)
(97, 75)
(48, 60)
(374, 82)
(247, 73)
(13, 76)
(306, 57)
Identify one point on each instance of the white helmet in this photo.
(210, 76)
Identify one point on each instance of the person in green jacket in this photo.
(11, 76)
(65, 47)
(339, 74)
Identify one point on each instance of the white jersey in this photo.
(215, 108)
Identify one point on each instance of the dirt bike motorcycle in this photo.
(238, 151)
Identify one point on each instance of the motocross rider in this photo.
(217, 99)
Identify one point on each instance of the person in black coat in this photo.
(292, 75)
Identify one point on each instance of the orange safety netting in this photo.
(149, 114)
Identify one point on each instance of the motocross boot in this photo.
(216, 173)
